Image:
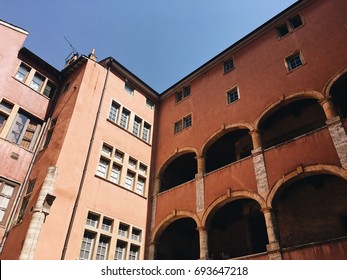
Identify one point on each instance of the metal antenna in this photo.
(74, 51)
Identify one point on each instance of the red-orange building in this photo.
(246, 157)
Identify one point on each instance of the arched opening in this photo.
(311, 209)
(180, 170)
(229, 148)
(290, 121)
(179, 241)
(237, 229)
(339, 96)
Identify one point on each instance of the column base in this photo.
(274, 251)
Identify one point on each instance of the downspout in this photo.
(91, 141)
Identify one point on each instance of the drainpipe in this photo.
(91, 141)
(41, 210)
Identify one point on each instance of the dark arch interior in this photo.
(290, 121)
(229, 148)
(339, 96)
(179, 241)
(237, 229)
(179, 171)
(312, 209)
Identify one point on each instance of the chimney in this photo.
(92, 55)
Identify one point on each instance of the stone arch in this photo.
(228, 197)
(283, 100)
(304, 171)
(178, 152)
(176, 237)
(179, 168)
(223, 130)
(331, 82)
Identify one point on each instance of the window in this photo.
(124, 118)
(232, 95)
(87, 245)
(123, 230)
(129, 180)
(136, 234)
(182, 124)
(295, 21)
(5, 111)
(289, 26)
(7, 194)
(49, 90)
(92, 220)
(103, 245)
(137, 126)
(50, 132)
(228, 65)
(115, 174)
(26, 199)
(134, 252)
(129, 88)
(103, 168)
(37, 82)
(107, 224)
(106, 150)
(119, 156)
(150, 103)
(142, 169)
(120, 250)
(140, 185)
(146, 132)
(114, 110)
(24, 130)
(22, 73)
(294, 61)
(132, 162)
(182, 94)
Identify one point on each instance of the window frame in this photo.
(289, 66)
(6, 209)
(231, 93)
(226, 68)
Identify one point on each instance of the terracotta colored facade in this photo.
(244, 158)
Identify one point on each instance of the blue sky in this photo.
(160, 41)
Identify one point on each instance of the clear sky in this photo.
(160, 41)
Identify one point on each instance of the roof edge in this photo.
(14, 27)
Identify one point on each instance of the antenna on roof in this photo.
(73, 54)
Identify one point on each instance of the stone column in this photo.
(199, 185)
(41, 210)
(336, 130)
(152, 250)
(273, 248)
(156, 187)
(259, 164)
(203, 241)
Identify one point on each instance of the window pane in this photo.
(22, 73)
(103, 245)
(115, 172)
(113, 115)
(87, 246)
(140, 186)
(232, 96)
(102, 168)
(37, 82)
(294, 62)
(146, 132)
(17, 128)
(228, 65)
(129, 181)
(124, 119)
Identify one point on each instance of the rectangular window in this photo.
(103, 245)
(107, 224)
(137, 126)
(123, 230)
(87, 246)
(294, 61)
(187, 121)
(114, 110)
(182, 94)
(92, 220)
(120, 250)
(150, 103)
(5, 111)
(24, 131)
(49, 90)
(129, 180)
(7, 194)
(282, 30)
(132, 163)
(106, 150)
(134, 252)
(115, 174)
(295, 21)
(228, 65)
(136, 234)
(232, 95)
(142, 169)
(140, 185)
(118, 156)
(146, 132)
(129, 88)
(103, 168)
(183, 123)
(22, 73)
(124, 118)
(37, 82)
(50, 132)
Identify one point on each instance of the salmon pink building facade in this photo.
(244, 158)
